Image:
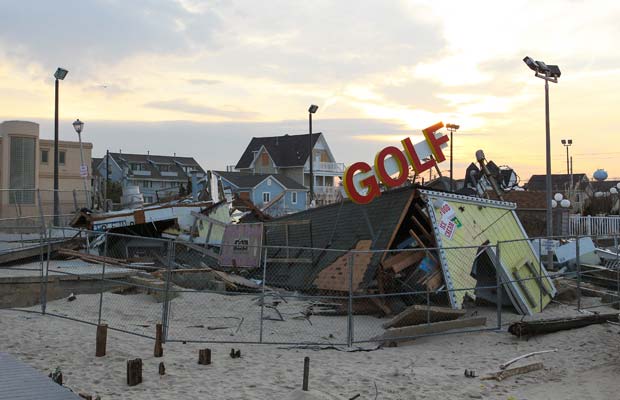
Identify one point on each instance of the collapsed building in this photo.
(409, 240)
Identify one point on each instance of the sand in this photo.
(586, 365)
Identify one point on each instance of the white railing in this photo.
(595, 226)
(326, 167)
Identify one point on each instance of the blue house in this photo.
(275, 194)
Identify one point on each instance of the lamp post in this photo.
(59, 75)
(567, 143)
(311, 111)
(78, 126)
(451, 128)
(549, 73)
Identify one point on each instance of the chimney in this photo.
(148, 152)
(120, 151)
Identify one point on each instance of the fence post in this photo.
(166, 305)
(589, 225)
(42, 237)
(578, 275)
(350, 308)
(498, 279)
(106, 237)
(262, 299)
(617, 267)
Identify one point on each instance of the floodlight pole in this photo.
(311, 157)
(548, 178)
(56, 200)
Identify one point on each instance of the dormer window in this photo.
(164, 167)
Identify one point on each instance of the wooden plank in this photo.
(400, 222)
(507, 373)
(422, 229)
(421, 314)
(407, 332)
(403, 260)
(532, 328)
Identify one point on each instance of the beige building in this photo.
(27, 163)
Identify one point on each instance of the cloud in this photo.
(192, 108)
(204, 81)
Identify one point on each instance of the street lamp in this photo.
(451, 128)
(549, 73)
(567, 143)
(78, 126)
(60, 74)
(311, 111)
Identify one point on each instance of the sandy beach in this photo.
(586, 364)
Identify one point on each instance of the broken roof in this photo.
(285, 151)
(339, 226)
(248, 180)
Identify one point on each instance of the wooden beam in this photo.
(407, 332)
(421, 314)
(532, 328)
(289, 260)
(403, 259)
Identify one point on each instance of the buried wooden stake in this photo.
(159, 350)
(101, 340)
(134, 372)
(204, 356)
(162, 368)
(306, 374)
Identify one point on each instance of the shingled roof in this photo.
(176, 164)
(285, 151)
(338, 226)
(559, 182)
(245, 180)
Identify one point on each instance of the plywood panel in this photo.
(335, 277)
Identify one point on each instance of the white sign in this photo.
(447, 212)
(447, 228)
(83, 171)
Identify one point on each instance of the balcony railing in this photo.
(326, 167)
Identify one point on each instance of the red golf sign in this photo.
(361, 181)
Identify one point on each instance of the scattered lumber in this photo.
(514, 360)
(134, 372)
(420, 314)
(507, 373)
(539, 327)
(403, 260)
(93, 258)
(407, 332)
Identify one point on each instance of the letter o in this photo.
(400, 159)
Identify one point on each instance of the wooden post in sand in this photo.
(134, 372)
(159, 350)
(304, 386)
(102, 339)
(204, 356)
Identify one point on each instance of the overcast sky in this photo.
(200, 78)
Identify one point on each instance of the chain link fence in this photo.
(295, 295)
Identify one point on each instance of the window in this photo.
(164, 167)
(148, 199)
(294, 197)
(61, 157)
(138, 167)
(22, 170)
(44, 156)
(264, 159)
(266, 197)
